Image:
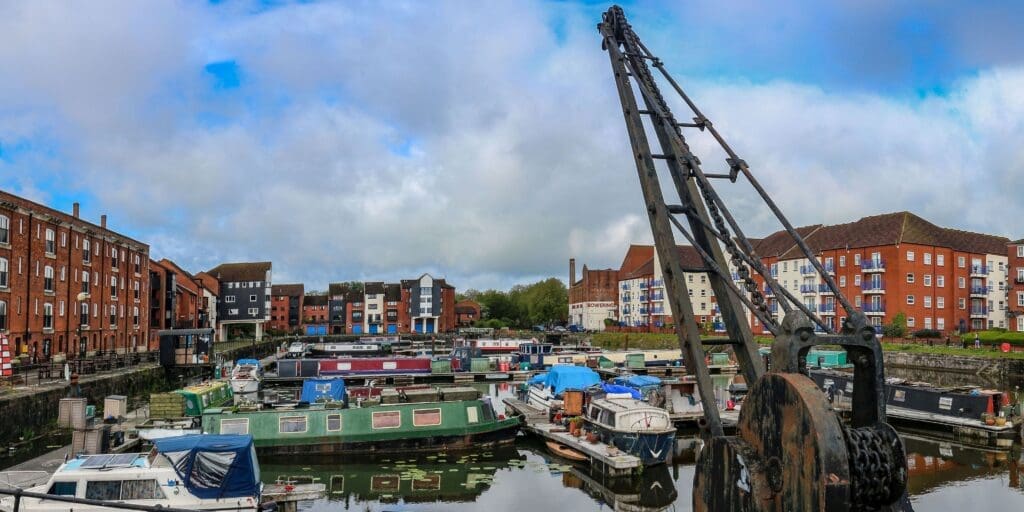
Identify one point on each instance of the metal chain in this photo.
(631, 44)
(878, 467)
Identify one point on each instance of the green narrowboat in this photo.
(329, 428)
(190, 401)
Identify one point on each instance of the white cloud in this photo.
(516, 156)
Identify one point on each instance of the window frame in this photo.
(375, 414)
(234, 421)
(327, 423)
(282, 419)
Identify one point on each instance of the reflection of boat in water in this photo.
(933, 464)
(653, 491)
(413, 480)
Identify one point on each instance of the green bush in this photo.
(926, 333)
(996, 337)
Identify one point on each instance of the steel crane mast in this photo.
(790, 451)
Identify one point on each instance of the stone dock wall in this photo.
(956, 364)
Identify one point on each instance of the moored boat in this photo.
(632, 426)
(398, 424)
(346, 366)
(246, 377)
(565, 452)
(679, 397)
(188, 472)
(348, 349)
(544, 391)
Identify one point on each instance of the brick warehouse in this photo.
(48, 260)
(592, 298)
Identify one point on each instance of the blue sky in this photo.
(483, 141)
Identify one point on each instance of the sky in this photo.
(483, 141)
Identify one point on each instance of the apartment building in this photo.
(1015, 285)
(939, 278)
(592, 299)
(430, 304)
(641, 287)
(69, 287)
(286, 307)
(176, 300)
(423, 305)
(314, 315)
(245, 296)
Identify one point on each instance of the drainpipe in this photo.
(28, 284)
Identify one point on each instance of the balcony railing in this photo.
(808, 288)
(872, 287)
(807, 270)
(626, 298)
(872, 265)
(643, 311)
(979, 290)
(826, 308)
(874, 308)
(643, 285)
(625, 286)
(982, 311)
(658, 296)
(625, 311)
(768, 291)
(773, 308)
(980, 270)
(658, 311)
(736, 277)
(823, 288)
(643, 298)
(657, 283)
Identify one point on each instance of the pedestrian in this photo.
(947, 340)
(977, 341)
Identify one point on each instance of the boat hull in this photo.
(498, 437)
(652, 448)
(244, 387)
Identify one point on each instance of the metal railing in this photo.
(873, 308)
(979, 290)
(869, 286)
(19, 494)
(872, 264)
(980, 269)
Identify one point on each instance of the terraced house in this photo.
(69, 287)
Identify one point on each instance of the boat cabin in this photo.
(627, 414)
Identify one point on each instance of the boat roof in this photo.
(623, 404)
(252, 362)
(105, 462)
(563, 377)
(214, 466)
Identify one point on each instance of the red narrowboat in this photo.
(374, 365)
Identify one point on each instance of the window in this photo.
(3, 316)
(229, 298)
(135, 287)
(961, 261)
(135, 316)
(785, 266)
(927, 322)
(113, 257)
(472, 415)
(47, 316)
(856, 259)
(927, 279)
(910, 255)
(254, 311)
(86, 255)
(962, 304)
(1020, 248)
(856, 280)
(113, 316)
(252, 298)
(910, 321)
(927, 301)
(842, 261)
(940, 281)
(961, 282)
(1020, 297)
(940, 302)
(233, 311)
(85, 282)
(857, 300)
(910, 300)
(291, 424)
(910, 277)
(333, 422)
(426, 417)
(940, 260)
(927, 258)
(84, 312)
(138, 264)
(842, 280)
(141, 490)
(107, 490)
(63, 489)
(5, 230)
(51, 242)
(48, 279)
(4, 273)
(113, 287)
(386, 419)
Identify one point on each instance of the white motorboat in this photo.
(246, 377)
(202, 472)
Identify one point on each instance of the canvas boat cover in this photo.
(214, 466)
(616, 389)
(328, 390)
(252, 362)
(566, 377)
(638, 381)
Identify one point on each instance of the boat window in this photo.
(337, 484)
(103, 490)
(427, 483)
(426, 417)
(472, 415)
(333, 422)
(387, 419)
(607, 418)
(234, 426)
(63, 488)
(141, 490)
(292, 424)
(384, 483)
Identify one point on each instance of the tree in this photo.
(898, 327)
(540, 303)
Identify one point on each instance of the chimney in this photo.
(103, 221)
(572, 272)
(74, 210)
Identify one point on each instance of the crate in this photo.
(420, 395)
(479, 364)
(71, 413)
(442, 366)
(115, 406)
(572, 402)
(91, 440)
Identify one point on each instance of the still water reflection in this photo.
(943, 477)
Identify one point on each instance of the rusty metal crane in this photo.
(790, 452)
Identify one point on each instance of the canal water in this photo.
(943, 477)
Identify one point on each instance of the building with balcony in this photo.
(641, 289)
(286, 307)
(430, 304)
(69, 286)
(245, 298)
(1015, 285)
(592, 298)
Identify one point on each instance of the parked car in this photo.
(559, 328)
(575, 328)
(539, 328)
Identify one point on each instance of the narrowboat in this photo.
(663, 357)
(544, 355)
(632, 426)
(351, 366)
(197, 472)
(190, 401)
(246, 377)
(398, 424)
(348, 349)
(498, 346)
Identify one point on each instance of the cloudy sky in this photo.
(483, 141)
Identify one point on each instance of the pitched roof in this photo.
(689, 260)
(237, 272)
(636, 256)
(374, 287)
(209, 282)
(289, 290)
(878, 230)
(314, 300)
(392, 292)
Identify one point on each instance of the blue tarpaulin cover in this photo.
(248, 361)
(214, 466)
(331, 390)
(615, 388)
(638, 381)
(567, 377)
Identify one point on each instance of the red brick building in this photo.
(415, 305)
(1015, 295)
(68, 285)
(468, 311)
(314, 314)
(286, 307)
(939, 278)
(592, 298)
(176, 300)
